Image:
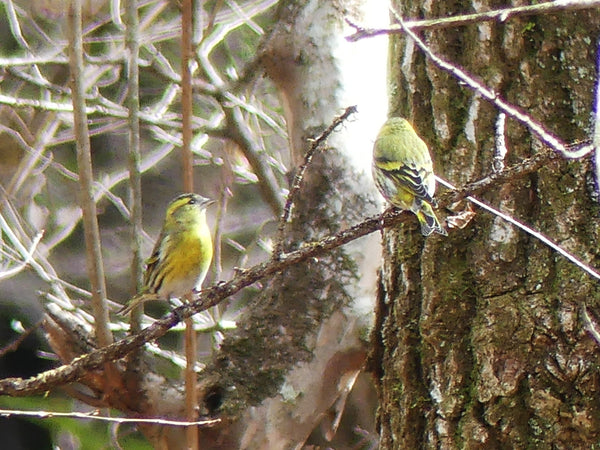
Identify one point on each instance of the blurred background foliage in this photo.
(38, 169)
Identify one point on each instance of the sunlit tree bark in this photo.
(481, 342)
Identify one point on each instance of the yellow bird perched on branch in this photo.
(403, 172)
(181, 255)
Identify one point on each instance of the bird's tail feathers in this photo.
(135, 301)
(429, 222)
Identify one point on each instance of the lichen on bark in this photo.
(482, 343)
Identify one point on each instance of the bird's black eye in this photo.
(192, 201)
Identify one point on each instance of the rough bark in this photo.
(480, 342)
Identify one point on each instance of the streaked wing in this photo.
(154, 262)
(407, 176)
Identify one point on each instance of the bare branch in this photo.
(536, 234)
(493, 97)
(27, 257)
(135, 177)
(94, 415)
(190, 339)
(241, 136)
(596, 116)
(217, 293)
(14, 345)
(500, 15)
(526, 166)
(299, 177)
(84, 162)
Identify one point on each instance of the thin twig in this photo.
(217, 293)
(493, 97)
(132, 40)
(27, 258)
(315, 143)
(596, 116)
(591, 325)
(135, 178)
(84, 163)
(190, 339)
(501, 15)
(528, 165)
(240, 134)
(35, 153)
(113, 110)
(94, 416)
(187, 57)
(536, 234)
(14, 345)
(15, 28)
(10, 227)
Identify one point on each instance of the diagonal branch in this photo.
(240, 134)
(494, 98)
(501, 15)
(297, 183)
(217, 293)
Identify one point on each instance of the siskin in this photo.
(403, 172)
(181, 255)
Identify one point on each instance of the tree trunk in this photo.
(480, 340)
(300, 345)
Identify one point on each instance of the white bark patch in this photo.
(407, 63)
(471, 119)
(501, 231)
